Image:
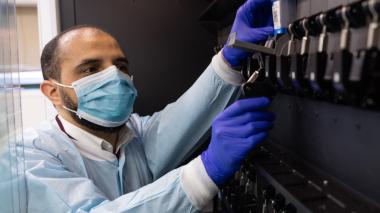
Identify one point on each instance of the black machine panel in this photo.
(323, 150)
(346, 147)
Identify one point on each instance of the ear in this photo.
(49, 89)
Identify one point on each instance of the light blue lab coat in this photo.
(144, 178)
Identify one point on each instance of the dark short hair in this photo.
(50, 60)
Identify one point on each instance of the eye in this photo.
(90, 69)
(122, 68)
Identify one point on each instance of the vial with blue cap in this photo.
(283, 13)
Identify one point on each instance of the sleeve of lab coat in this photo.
(53, 188)
(170, 135)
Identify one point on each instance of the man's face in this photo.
(84, 52)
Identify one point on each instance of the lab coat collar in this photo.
(92, 146)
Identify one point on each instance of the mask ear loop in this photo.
(73, 111)
(62, 85)
(66, 108)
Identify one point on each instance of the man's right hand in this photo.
(235, 132)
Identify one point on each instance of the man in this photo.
(97, 157)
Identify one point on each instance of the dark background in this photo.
(165, 43)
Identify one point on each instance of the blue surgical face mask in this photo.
(105, 98)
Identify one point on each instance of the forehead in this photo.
(86, 43)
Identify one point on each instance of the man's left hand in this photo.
(253, 23)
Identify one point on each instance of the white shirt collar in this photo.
(92, 146)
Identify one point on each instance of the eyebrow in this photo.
(122, 60)
(88, 62)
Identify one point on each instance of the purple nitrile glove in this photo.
(235, 132)
(253, 23)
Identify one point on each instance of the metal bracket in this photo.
(250, 47)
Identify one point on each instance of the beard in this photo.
(69, 103)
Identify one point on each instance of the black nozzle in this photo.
(357, 15)
(315, 24)
(334, 19)
(297, 29)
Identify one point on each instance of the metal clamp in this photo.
(255, 75)
(373, 29)
(291, 42)
(323, 38)
(345, 34)
(305, 39)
